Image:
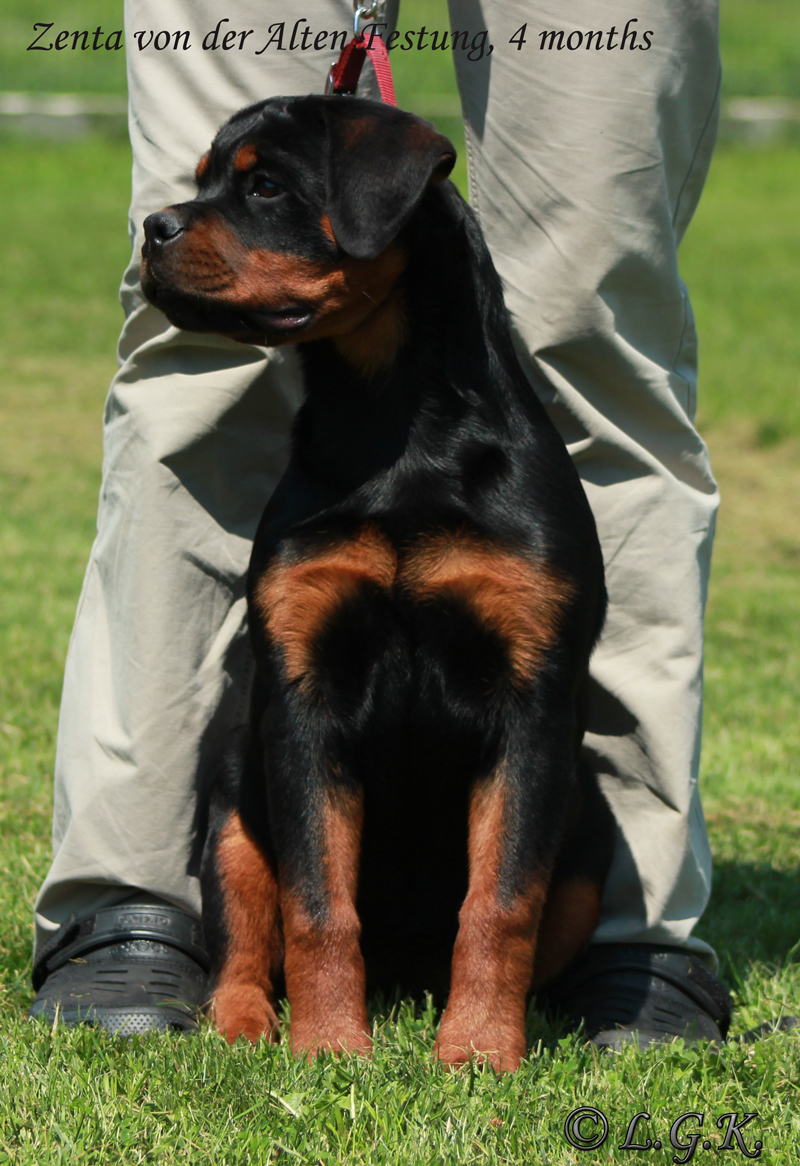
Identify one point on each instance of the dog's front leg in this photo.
(324, 967)
(319, 617)
(510, 860)
(494, 949)
(241, 915)
(316, 813)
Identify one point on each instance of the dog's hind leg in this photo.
(572, 910)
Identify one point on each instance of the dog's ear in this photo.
(380, 159)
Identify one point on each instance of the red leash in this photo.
(344, 76)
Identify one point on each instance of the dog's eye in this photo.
(263, 187)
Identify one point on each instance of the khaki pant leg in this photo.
(150, 846)
(195, 441)
(585, 168)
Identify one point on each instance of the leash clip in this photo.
(343, 77)
(330, 84)
(361, 13)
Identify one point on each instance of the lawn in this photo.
(760, 46)
(80, 1097)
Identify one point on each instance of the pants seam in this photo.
(700, 140)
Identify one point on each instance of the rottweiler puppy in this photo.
(425, 590)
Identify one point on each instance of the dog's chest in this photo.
(448, 603)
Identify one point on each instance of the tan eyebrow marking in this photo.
(246, 157)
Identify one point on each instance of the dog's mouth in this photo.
(289, 319)
(198, 313)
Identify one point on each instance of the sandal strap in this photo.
(158, 923)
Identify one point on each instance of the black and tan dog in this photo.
(425, 589)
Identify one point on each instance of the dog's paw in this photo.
(244, 1010)
(500, 1047)
(349, 1036)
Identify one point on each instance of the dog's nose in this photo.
(161, 228)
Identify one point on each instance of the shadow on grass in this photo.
(753, 915)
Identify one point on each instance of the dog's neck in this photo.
(435, 356)
(373, 347)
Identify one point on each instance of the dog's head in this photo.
(292, 234)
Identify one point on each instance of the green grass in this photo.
(740, 259)
(760, 47)
(78, 1097)
(62, 71)
(165, 1101)
(171, 1101)
(58, 329)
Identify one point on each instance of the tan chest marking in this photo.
(295, 600)
(522, 601)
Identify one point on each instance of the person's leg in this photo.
(586, 162)
(195, 434)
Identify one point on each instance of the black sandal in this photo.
(623, 992)
(134, 968)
